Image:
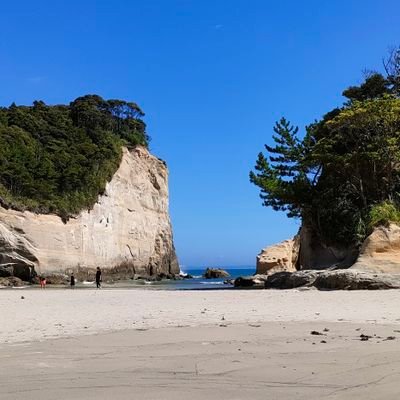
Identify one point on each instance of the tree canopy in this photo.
(346, 166)
(57, 159)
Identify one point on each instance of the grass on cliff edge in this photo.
(383, 214)
(58, 159)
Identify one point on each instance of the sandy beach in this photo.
(147, 344)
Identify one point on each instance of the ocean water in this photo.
(199, 283)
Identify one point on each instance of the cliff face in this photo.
(127, 232)
(280, 257)
(304, 252)
(380, 251)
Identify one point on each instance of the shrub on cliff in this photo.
(57, 159)
(383, 214)
(344, 166)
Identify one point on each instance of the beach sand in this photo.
(145, 344)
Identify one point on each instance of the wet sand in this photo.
(239, 345)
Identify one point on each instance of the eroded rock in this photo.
(288, 280)
(349, 279)
(380, 251)
(213, 273)
(279, 257)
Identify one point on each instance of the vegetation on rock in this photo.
(57, 159)
(343, 176)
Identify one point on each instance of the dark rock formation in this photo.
(287, 280)
(335, 280)
(11, 281)
(253, 281)
(213, 273)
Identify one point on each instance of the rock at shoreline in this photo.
(279, 257)
(349, 279)
(214, 273)
(253, 281)
(12, 281)
(127, 232)
(288, 280)
(352, 279)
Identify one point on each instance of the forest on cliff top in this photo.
(342, 177)
(58, 159)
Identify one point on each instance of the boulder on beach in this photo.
(214, 273)
(11, 281)
(340, 279)
(252, 281)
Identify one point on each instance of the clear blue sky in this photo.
(212, 77)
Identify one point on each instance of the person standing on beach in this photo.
(72, 281)
(42, 282)
(98, 278)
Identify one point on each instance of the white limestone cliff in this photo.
(127, 231)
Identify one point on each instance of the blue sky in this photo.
(212, 77)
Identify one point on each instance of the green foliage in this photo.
(383, 214)
(57, 159)
(346, 163)
(376, 85)
(282, 179)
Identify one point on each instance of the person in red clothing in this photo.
(42, 281)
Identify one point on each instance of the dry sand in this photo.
(128, 344)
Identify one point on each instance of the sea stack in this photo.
(127, 232)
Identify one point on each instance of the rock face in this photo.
(288, 280)
(279, 257)
(213, 273)
(380, 251)
(305, 261)
(349, 279)
(313, 254)
(253, 281)
(127, 232)
(304, 251)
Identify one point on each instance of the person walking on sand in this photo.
(72, 281)
(42, 282)
(98, 278)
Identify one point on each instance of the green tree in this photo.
(59, 158)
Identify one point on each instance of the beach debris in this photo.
(22, 297)
(223, 318)
(316, 333)
(223, 325)
(323, 341)
(390, 338)
(364, 338)
(326, 330)
(255, 325)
